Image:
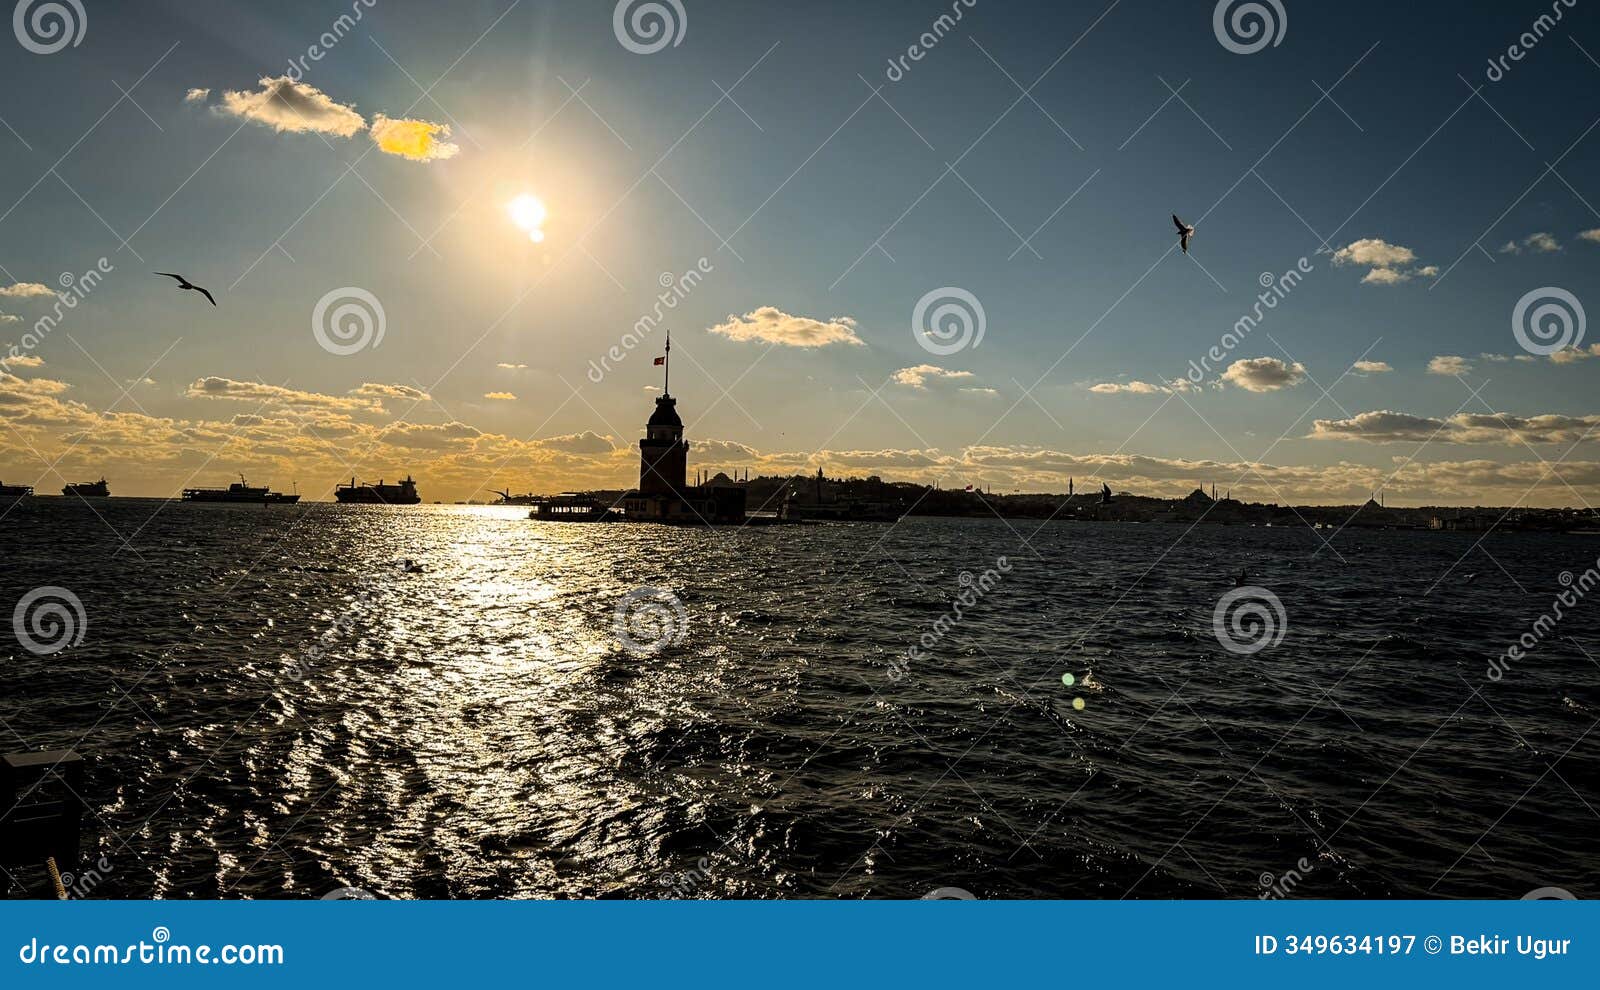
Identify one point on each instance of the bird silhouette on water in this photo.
(184, 283)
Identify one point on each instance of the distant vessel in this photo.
(11, 493)
(405, 493)
(239, 491)
(506, 498)
(89, 489)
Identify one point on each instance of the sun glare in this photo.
(527, 212)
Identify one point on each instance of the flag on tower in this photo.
(661, 361)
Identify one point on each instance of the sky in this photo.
(931, 241)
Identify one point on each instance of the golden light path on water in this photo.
(302, 715)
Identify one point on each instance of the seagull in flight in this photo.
(1184, 233)
(184, 283)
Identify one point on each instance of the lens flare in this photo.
(528, 212)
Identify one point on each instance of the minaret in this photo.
(663, 453)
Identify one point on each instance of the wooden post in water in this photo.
(40, 791)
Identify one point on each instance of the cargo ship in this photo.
(11, 493)
(89, 489)
(239, 491)
(404, 493)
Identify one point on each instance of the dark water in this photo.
(272, 709)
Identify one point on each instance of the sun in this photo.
(527, 211)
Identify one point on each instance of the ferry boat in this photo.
(11, 493)
(239, 491)
(404, 493)
(89, 489)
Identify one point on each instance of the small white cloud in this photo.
(511, 367)
(1387, 264)
(287, 106)
(26, 290)
(1449, 364)
(774, 326)
(920, 375)
(1573, 355)
(197, 95)
(500, 396)
(1540, 242)
(1264, 374)
(1372, 367)
(1592, 235)
(1129, 388)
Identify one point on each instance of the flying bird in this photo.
(1184, 233)
(184, 283)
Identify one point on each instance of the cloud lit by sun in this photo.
(528, 212)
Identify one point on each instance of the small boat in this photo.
(89, 489)
(239, 491)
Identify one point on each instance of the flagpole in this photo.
(666, 368)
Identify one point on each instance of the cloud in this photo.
(1387, 263)
(588, 442)
(500, 396)
(287, 106)
(1592, 235)
(1539, 243)
(197, 95)
(919, 375)
(511, 367)
(22, 361)
(1572, 355)
(777, 327)
(8, 318)
(365, 398)
(371, 390)
(26, 290)
(1449, 364)
(1372, 367)
(1384, 426)
(1264, 374)
(414, 140)
(1129, 388)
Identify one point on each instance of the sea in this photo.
(321, 701)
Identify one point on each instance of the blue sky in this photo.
(831, 207)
